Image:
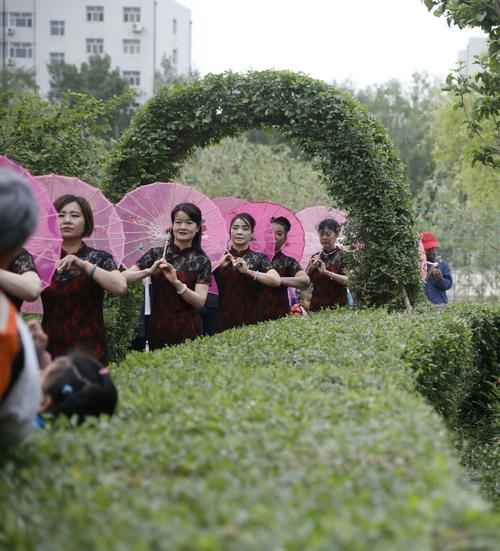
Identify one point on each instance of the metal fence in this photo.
(470, 242)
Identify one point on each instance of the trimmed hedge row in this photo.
(297, 434)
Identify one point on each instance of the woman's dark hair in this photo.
(18, 211)
(248, 218)
(283, 222)
(195, 215)
(329, 224)
(80, 386)
(87, 213)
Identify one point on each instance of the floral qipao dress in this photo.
(274, 300)
(238, 293)
(172, 319)
(20, 265)
(73, 308)
(327, 292)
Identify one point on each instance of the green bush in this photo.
(121, 317)
(296, 434)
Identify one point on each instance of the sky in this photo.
(362, 41)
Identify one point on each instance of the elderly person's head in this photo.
(18, 214)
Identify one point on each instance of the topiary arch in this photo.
(359, 164)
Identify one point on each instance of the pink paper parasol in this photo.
(295, 240)
(145, 213)
(108, 234)
(263, 235)
(45, 243)
(310, 218)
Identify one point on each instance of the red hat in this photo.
(429, 241)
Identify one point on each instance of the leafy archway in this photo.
(359, 164)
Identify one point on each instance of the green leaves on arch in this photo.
(359, 164)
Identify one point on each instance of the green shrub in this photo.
(297, 434)
(121, 317)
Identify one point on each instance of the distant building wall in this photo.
(136, 34)
(476, 46)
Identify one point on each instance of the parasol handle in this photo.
(167, 241)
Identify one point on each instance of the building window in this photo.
(95, 45)
(57, 28)
(174, 56)
(131, 46)
(56, 57)
(95, 13)
(20, 19)
(20, 49)
(131, 15)
(174, 26)
(133, 77)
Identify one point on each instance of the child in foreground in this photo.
(78, 385)
(75, 384)
(303, 305)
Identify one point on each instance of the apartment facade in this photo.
(476, 46)
(134, 33)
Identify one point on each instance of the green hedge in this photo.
(297, 434)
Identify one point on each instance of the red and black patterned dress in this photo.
(172, 319)
(73, 308)
(20, 265)
(238, 293)
(327, 292)
(274, 300)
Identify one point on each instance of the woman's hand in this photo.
(321, 266)
(40, 340)
(169, 272)
(227, 259)
(314, 264)
(157, 267)
(71, 262)
(241, 265)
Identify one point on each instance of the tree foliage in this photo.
(18, 79)
(404, 111)
(97, 79)
(358, 163)
(256, 172)
(478, 96)
(168, 75)
(64, 136)
(457, 182)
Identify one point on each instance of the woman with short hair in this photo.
(19, 374)
(73, 303)
(326, 269)
(274, 301)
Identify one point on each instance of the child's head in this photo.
(304, 297)
(78, 385)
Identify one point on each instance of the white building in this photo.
(476, 46)
(134, 33)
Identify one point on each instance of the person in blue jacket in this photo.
(438, 279)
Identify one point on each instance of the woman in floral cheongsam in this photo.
(326, 269)
(73, 304)
(241, 277)
(274, 301)
(180, 280)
